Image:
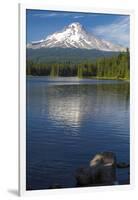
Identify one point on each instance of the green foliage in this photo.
(115, 67)
(63, 55)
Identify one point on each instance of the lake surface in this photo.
(69, 120)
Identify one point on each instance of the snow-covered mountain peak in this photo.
(75, 26)
(75, 36)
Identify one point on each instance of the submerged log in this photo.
(101, 171)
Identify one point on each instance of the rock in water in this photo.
(101, 171)
(83, 177)
(123, 165)
(104, 168)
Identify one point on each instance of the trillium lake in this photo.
(69, 120)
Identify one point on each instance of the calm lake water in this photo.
(68, 121)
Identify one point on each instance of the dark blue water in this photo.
(68, 121)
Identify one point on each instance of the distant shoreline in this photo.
(96, 78)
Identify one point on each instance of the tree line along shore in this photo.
(114, 67)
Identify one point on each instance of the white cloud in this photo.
(78, 16)
(116, 32)
(43, 15)
(57, 14)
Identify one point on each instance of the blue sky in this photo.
(114, 28)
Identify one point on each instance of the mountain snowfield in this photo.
(75, 36)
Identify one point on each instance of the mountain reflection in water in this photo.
(68, 121)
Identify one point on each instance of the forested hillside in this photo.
(62, 55)
(115, 66)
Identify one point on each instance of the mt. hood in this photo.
(75, 36)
